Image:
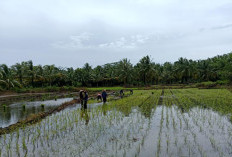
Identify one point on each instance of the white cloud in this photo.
(86, 41)
(121, 43)
(75, 42)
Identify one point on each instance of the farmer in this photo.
(86, 99)
(131, 91)
(82, 96)
(99, 97)
(121, 93)
(104, 95)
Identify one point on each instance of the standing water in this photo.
(21, 110)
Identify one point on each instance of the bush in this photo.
(21, 90)
(208, 84)
(51, 89)
(223, 82)
(78, 84)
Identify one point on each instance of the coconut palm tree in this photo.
(167, 73)
(6, 77)
(125, 70)
(18, 70)
(182, 69)
(87, 69)
(145, 66)
(69, 73)
(49, 73)
(79, 76)
(98, 73)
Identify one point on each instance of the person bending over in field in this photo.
(99, 97)
(86, 99)
(104, 95)
(121, 93)
(82, 96)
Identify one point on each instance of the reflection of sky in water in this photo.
(15, 111)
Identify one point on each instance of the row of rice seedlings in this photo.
(183, 122)
(160, 133)
(209, 97)
(215, 131)
(167, 98)
(143, 99)
(204, 131)
(194, 142)
(217, 99)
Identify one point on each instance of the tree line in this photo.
(145, 72)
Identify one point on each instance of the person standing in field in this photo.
(86, 99)
(82, 96)
(104, 95)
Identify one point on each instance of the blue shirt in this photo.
(104, 94)
(86, 96)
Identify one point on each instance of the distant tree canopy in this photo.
(145, 72)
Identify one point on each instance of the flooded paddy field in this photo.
(17, 111)
(179, 122)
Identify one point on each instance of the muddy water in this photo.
(15, 111)
(101, 132)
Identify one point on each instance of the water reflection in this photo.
(85, 116)
(16, 111)
(104, 109)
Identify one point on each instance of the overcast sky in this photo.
(72, 32)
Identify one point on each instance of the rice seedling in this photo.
(4, 107)
(24, 106)
(42, 105)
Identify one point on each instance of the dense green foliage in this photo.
(145, 72)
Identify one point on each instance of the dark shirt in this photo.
(82, 95)
(104, 94)
(86, 96)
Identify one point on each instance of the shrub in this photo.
(52, 89)
(208, 84)
(1, 90)
(223, 82)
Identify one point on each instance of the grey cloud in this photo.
(74, 32)
(223, 26)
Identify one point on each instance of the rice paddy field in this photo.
(170, 122)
